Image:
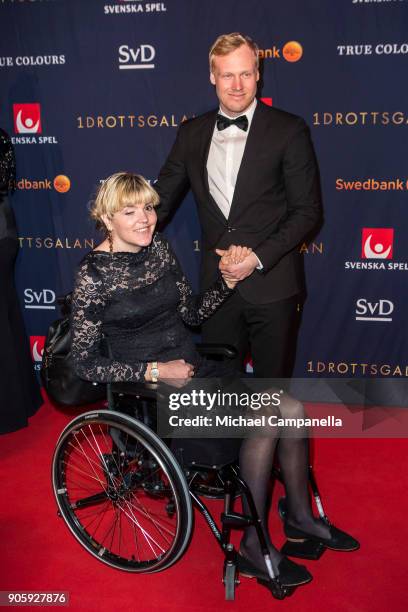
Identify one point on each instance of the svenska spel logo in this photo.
(377, 243)
(27, 118)
(37, 347)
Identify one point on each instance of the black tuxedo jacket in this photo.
(276, 200)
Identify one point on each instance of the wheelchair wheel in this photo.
(230, 580)
(121, 492)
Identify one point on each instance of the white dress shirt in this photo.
(224, 160)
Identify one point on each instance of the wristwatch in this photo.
(154, 372)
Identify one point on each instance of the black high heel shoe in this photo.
(339, 540)
(290, 574)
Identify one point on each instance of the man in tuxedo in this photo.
(253, 173)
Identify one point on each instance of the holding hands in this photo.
(236, 263)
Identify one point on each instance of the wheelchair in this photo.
(129, 503)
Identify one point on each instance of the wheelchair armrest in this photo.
(147, 390)
(221, 350)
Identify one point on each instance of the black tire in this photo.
(230, 581)
(121, 492)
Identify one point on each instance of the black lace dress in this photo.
(20, 393)
(142, 303)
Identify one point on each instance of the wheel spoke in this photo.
(155, 521)
(117, 490)
(149, 539)
(99, 515)
(90, 461)
(74, 468)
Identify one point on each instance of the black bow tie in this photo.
(223, 122)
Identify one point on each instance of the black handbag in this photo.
(58, 375)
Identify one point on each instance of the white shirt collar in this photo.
(249, 112)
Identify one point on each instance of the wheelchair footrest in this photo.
(306, 549)
(238, 521)
(278, 590)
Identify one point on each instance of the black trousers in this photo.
(267, 331)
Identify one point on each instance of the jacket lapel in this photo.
(254, 143)
(205, 145)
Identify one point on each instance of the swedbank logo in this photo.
(60, 183)
(291, 51)
(372, 184)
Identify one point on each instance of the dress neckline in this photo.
(123, 255)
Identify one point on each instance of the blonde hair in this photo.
(226, 43)
(118, 191)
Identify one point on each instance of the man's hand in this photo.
(234, 254)
(230, 263)
(236, 264)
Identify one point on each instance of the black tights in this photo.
(256, 460)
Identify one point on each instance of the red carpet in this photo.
(364, 488)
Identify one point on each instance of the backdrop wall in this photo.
(89, 88)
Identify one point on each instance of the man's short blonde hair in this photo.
(226, 43)
(118, 191)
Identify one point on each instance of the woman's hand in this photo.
(234, 255)
(176, 373)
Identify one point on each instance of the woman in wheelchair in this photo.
(130, 289)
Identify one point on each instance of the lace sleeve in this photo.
(88, 303)
(194, 309)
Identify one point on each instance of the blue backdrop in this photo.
(89, 88)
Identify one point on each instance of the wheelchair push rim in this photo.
(121, 492)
